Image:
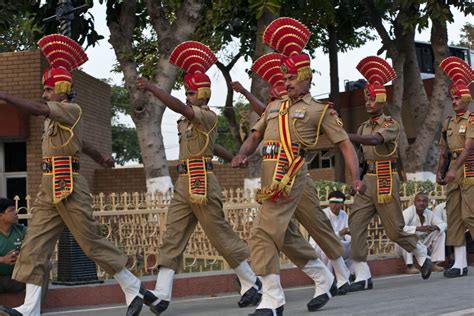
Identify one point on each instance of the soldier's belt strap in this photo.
(62, 169)
(372, 165)
(196, 171)
(47, 164)
(182, 166)
(271, 149)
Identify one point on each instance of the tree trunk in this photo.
(439, 97)
(147, 111)
(259, 89)
(339, 168)
(229, 112)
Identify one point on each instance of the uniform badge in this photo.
(299, 114)
(339, 122)
(462, 129)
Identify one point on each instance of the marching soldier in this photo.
(456, 163)
(378, 137)
(289, 127)
(197, 195)
(308, 209)
(64, 197)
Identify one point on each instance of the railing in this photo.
(136, 222)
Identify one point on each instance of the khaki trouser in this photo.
(364, 209)
(183, 217)
(459, 209)
(47, 224)
(309, 213)
(273, 231)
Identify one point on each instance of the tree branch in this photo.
(157, 16)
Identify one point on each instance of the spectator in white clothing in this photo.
(340, 224)
(430, 229)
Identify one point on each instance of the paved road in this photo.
(396, 295)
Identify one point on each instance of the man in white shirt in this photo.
(340, 223)
(430, 230)
(440, 211)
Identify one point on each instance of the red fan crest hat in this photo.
(461, 75)
(377, 72)
(195, 59)
(289, 37)
(268, 68)
(64, 55)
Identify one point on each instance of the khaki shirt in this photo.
(456, 130)
(62, 116)
(193, 135)
(305, 115)
(389, 129)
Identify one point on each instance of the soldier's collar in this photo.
(378, 119)
(464, 115)
(306, 99)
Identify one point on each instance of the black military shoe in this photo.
(267, 312)
(136, 305)
(318, 302)
(361, 285)
(352, 277)
(156, 305)
(7, 311)
(426, 269)
(252, 296)
(343, 289)
(455, 272)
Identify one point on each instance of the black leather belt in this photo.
(372, 167)
(182, 167)
(47, 165)
(271, 149)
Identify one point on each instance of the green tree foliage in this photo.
(224, 136)
(125, 146)
(21, 35)
(21, 24)
(467, 36)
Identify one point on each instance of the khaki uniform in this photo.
(273, 230)
(367, 205)
(184, 214)
(74, 211)
(460, 192)
(319, 226)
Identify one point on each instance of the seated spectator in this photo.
(440, 211)
(340, 223)
(11, 236)
(429, 228)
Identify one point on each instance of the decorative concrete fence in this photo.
(136, 222)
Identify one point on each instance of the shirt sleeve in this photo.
(439, 222)
(204, 118)
(443, 136)
(333, 127)
(470, 127)
(389, 131)
(261, 123)
(63, 112)
(410, 229)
